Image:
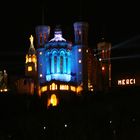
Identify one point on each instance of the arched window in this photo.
(55, 64)
(67, 64)
(45, 37)
(61, 64)
(50, 62)
(40, 36)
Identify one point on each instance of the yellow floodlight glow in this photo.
(53, 100)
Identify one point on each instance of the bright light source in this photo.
(80, 61)
(79, 50)
(66, 125)
(103, 68)
(41, 75)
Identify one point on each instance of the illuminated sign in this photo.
(127, 82)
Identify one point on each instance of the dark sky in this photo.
(118, 20)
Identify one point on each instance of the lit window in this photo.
(64, 87)
(40, 53)
(53, 86)
(41, 75)
(80, 61)
(72, 88)
(30, 60)
(30, 68)
(44, 88)
(79, 89)
(34, 59)
(79, 50)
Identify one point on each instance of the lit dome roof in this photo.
(57, 36)
(58, 39)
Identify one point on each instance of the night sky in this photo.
(118, 20)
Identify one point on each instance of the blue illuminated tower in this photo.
(42, 36)
(58, 58)
(80, 53)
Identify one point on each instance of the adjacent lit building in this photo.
(28, 83)
(3, 81)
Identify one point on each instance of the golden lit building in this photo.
(31, 61)
(28, 83)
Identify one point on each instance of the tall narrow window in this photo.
(45, 37)
(55, 64)
(61, 64)
(67, 64)
(50, 62)
(40, 38)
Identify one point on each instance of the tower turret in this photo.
(81, 33)
(31, 60)
(104, 52)
(42, 35)
(80, 53)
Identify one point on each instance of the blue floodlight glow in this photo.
(56, 59)
(60, 77)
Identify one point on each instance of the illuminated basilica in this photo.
(58, 65)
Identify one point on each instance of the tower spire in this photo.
(31, 41)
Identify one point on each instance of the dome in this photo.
(58, 36)
(58, 39)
